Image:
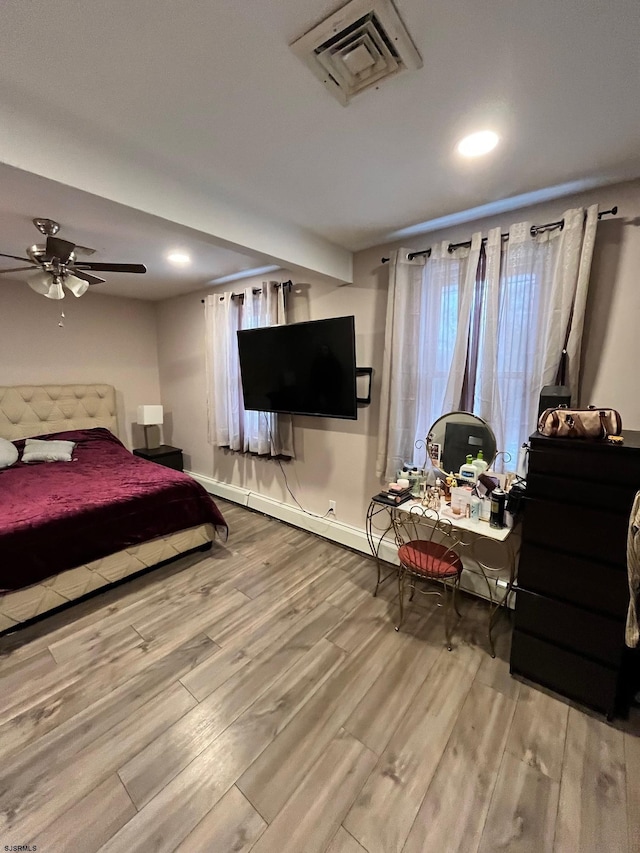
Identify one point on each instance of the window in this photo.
(482, 327)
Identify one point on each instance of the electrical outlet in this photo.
(332, 506)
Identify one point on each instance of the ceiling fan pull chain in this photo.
(61, 323)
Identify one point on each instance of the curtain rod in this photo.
(256, 290)
(535, 229)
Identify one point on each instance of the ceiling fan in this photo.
(59, 265)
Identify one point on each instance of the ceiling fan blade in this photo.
(100, 267)
(15, 258)
(59, 248)
(16, 269)
(83, 250)
(86, 276)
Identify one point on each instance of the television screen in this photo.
(301, 369)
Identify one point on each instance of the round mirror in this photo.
(457, 435)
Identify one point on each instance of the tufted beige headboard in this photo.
(28, 410)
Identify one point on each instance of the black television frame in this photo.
(308, 414)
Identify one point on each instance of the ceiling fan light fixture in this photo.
(76, 285)
(56, 266)
(40, 282)
(55, 290)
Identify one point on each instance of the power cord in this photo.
(284, 474)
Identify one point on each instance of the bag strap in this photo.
(574, 422)
(603, 424)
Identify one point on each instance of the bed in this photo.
(70, 528)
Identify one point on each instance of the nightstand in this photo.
(170, 457)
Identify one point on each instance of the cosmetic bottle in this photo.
(479, 464)
(498, 499)
(475, 508)
(416, 478)
(468, 471)
(485, 509)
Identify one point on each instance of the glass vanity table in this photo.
(489, 554)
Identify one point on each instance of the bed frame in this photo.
(30, 410)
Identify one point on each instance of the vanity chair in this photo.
(433, 544)
(428, 551)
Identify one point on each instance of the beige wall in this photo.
(611, 343)
(336, 459)
(104, 339)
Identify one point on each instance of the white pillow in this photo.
(8, 453)
(36, 450)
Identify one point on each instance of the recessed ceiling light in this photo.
(179, 258)
(478, 143)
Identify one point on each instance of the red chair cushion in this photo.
(431, 559)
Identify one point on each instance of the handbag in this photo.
(580, 423)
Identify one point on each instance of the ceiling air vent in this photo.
(358, 46)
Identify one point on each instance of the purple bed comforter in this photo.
(58, 515)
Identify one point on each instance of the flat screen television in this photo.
(300, 369)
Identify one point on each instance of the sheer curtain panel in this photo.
(264, 432)
(447, 296)
(428, 313)
(543, 288)
(224, 391)
(483, 329)
(230, 425)
(400, 367)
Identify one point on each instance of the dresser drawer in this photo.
(575, 677)
(586, 633)
(594, 461)
(607, 496)
(594, 533)
(578, 580)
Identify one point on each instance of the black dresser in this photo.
(572, 592)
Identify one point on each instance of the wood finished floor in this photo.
(257, 698)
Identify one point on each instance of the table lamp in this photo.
(149, 416)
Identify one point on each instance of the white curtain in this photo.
(224, 392)
(486, 392)
(400, 368)
(487, 326)
(536, 291)
(467, 272)
(447, 294)
(230, 425)
(427, 304)
(581, 237)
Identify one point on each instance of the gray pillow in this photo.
(37, 450)
(8, 453)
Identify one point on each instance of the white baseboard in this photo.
(329, 528)
(471, 581)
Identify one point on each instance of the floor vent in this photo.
(358, 46)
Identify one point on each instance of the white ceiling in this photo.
(209, 96)
(119, 234)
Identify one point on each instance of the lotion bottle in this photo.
(468, 471)
(479, 464)
(476, 503)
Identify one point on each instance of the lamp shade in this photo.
(40, 282)
(47, 285)
(148, 415)
(55, 291)
(76, 285)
